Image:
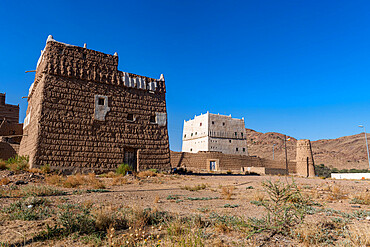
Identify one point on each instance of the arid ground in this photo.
(153, 209)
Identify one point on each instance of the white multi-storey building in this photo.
(214, 132)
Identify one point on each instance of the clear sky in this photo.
(297, 67)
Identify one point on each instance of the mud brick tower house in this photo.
(84, 114)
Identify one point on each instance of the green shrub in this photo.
(31, 208)
(285, 208)
(322, 171)
(123, 169)
(18, 163)
(45, 168)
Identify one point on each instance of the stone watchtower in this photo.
(305, 163)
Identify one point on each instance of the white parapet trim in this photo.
(350, 175)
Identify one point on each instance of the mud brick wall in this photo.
(8, 112)
(62, 130)
(13, 131)
(8, 150)
(200, 162)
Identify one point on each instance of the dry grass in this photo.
(74, 181)
(258, 196)
(35, 170)
(336, 193)
(195, 188)
(227, 192)
(145, 174)
(79, 180)
(156, 199)
(4, 181)
(359, 234)
(362, 198)
(94, 182)
(119, 180)
(55, 180)
(105, 218)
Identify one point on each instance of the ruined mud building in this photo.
(84, 114)
(10, 129)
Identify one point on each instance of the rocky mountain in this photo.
(343, 153)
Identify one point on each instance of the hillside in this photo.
(344, 153)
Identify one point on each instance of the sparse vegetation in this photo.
(30, 190)
(45, 168)
(88, 218)
(123, 169)
(285, 208)
(361, 198)
(17, 163)
(227, 192)
(195, 188)
(147, 173)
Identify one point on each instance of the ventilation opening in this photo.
(152, 119)
(130, 117)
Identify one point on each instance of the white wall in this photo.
(350, 175)
(213, 132)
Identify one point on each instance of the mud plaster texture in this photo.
(200, 162)
(305, 162)
(62, 129)
(7, 111)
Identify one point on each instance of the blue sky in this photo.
(297, 67)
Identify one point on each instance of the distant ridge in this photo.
(343, 153)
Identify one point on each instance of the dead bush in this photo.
(94, 182)
(74, 181)
(55, 180)
(336, 193)
(4, 181)
(258, 196)
(119, 180)
(195, 188)
(227, 192)
(147, 173)
(361, 198)
(34, 170)
(107, 217)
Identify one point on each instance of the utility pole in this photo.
(367, 146)
(286, 157)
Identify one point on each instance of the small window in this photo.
(191, 134)
(191, 149)
(241, 133)
(223, 124)
(237, 149)
(101, 101)
(200, 124)
(185, 136)
(229, 141)
(152, 119)
(243, 149)
(236, 134)
(213, 122)
(130, 117)
(196, 133)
